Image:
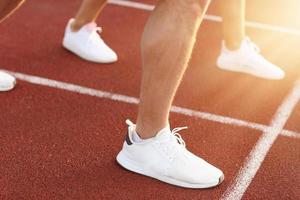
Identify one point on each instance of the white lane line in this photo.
(292, 134)
(132, 100)
(262, 147)
(252, 24)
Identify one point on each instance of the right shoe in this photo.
(247, 59)
(166, 158)
(7, 82)
(87, 44)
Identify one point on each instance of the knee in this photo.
(192, 6)
(198, 6)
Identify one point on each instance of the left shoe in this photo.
(7, 82)
(247, 59)
(88, 44)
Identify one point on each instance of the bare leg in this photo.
(88, 12)
(8, 6)
(167, 44)
(233, 14)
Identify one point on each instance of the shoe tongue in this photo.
(90, 27)
(164, 134)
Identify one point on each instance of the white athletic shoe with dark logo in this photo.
(166, 158)
(87, 44)
(7, 82)
(247, 59)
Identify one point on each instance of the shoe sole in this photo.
(246, 71)
(84, 58)
(131, 166)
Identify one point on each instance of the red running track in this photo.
(62, 145)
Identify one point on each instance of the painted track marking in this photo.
(262, 147)
(133, 100)
(214, 18)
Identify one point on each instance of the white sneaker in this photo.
(247, 59)
(87, 44)
(7, 82)
(166, 158)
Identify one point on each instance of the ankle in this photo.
(147, 131)
(233, 45)
(77, 25)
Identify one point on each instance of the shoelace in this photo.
(172, 149)
(97, 31)
(178, 136)
(252, 45)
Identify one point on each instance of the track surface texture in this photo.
(60, 132)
